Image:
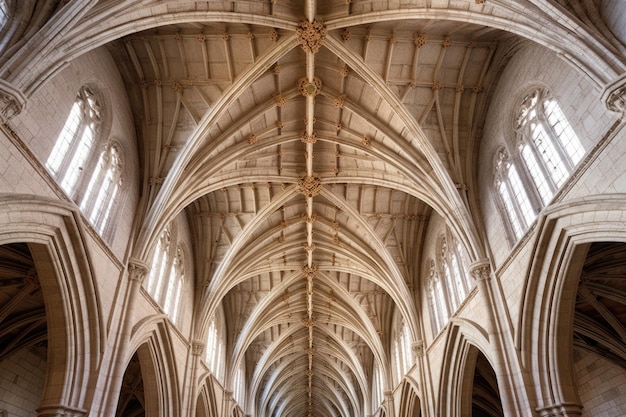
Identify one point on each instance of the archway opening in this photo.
(132, 396)
(599, 331)
(485, 394)
(23, 332)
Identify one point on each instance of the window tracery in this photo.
(74, 145)
(549, 151)
(215, 347)
(446, 295)
(167, 275)
(99, 199)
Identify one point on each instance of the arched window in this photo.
(453, 263)
(513, 196)
(74, 145)
(239, 385)
(99, 198)
(215, 347)
(4, 13)
(167, 275)
(549, 151)
(549, 147)
(437, 300)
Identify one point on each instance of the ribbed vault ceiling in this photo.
(308, 158)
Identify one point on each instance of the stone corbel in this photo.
(12, 101)
(614, 95)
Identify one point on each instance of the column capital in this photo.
(418, 349)
(12, 101)
(137, 270)
(614, 95)
(480, 270)
(197, 347)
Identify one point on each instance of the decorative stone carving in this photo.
(310, 271)
(309, 248)
(309, 219)
(420, 40)
(273, 35)
(252, 139)
(305, 138)
(480, 270)
(346, 35)
(437, 85)
(197, 348)
(280, 100)
(311, 35)
(418, 349)
(340, 101)
(309, 89)
(177, 86)
(12, 101)
(366, 141)
(446, 43)
(614, 95)
(137, 270)
(309, 186)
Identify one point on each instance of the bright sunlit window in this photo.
(99, 198)
(167, 275)
(549, 151)
(73, 147)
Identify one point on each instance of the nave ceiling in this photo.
(308, 179)
(308, 144)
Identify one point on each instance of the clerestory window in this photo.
(98, 201)
(71, 152)
(215, 347)
(167, 275)
(448, 284)
(548, 151)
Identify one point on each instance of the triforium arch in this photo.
(56, 240)
(151, 340)
(464, 342)
(564, 234)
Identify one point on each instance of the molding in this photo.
(614, 95)
(12, 101)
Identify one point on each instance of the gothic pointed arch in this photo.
(465, 341)
(56, 241)
(547, 313)
(151, 339)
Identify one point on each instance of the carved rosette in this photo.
(306, 138)
(309, 89)
(310, 271)
(309, 186)
(480, 270)
(311, 35)
(340, 101)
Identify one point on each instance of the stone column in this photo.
(506, 361)
(391, 411)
